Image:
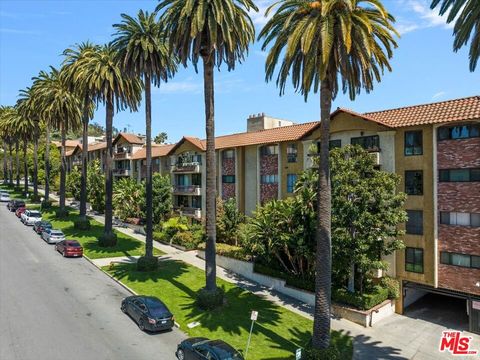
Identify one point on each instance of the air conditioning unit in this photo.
(376, 157)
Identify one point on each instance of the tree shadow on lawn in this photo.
(167, 270)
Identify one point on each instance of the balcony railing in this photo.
(122, 155)
(187, 189)
(121, 172)
(77, 162)
(189, 211)
(186, 167)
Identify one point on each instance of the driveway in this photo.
(57, 308)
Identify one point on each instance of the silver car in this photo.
(30, 217)
(53, 236)
(4, 196)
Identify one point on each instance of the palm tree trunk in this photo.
(108, 169)
(321, 320)
(83, 185)
(211, 188)
(47, 164)
(148, 182)
(5, 163)
(63, 167)
(35, 163)
(17, 168)
(10, 171)
(25, 167)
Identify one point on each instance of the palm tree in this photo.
(73, 60)
(143, 54)
(215, 31)
(4, 137)
(64, 112)
(101, 75)
(7, 133)
(322, 42)
(466, 14)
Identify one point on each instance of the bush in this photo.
(107, 240)
(392, 285)
(340, 348)
(209, 300)
(46, 204)
(81, 224)
(147, 263)
(185, 239)
(231, 251)
(159, 236)
(363, 301)
(61, 213)
(35, 199)
(302, 283)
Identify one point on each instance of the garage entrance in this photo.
(449, 309)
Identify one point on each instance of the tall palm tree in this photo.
(64, 112)
(4, 137)
(144, 55)
(101, 75)
(73, 60)
(322, 42)
(215, 31)
(466, 14)
(7, 133)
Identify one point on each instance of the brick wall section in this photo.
(228, 191)
(458, 278)
(455, 154)
(459, 196)
(459, 239)
(268, 192)
(228, 168)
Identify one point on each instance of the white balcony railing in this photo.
(189, 211)
(121, 172)
(186, 167)
(187, 189)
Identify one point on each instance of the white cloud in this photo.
(259, 18)
(424, 17)
(180, 87)
(438, 95)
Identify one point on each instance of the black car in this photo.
(149, 313)
(203, 348)
(40, 226)
(13, 205)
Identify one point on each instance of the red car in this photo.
(69, 248)
(20, 211)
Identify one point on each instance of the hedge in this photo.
(231, 251)
(303, 283)
(363, 301)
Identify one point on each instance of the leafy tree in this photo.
(161, 138)
(161, 197)
(228, 221)
(95, 129)
(327, 45)
(74, 180)
(127, 198)
(217, 32)
(466, 14)
(96, 186)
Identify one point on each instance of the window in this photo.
(332, 144)
(462, 260)
(413, 143)
(197, 202)
(269, 150)
(458, 218)
(228, 154)
(269, 179)
(292, 153)
(415, 222)
(197, 179)
(414, 182)
(370, 143)
(459, 132)
(414, 260)
(291, 179)
(228, 179)
(182, 180)
(459, 175)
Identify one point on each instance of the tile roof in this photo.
(68, 143)
(97, 146)
(131, 138)
(440, 112)
(157, 151)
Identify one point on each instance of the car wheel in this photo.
(141, 325)
(124, 308)
(180, 354)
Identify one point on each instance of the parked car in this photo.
(20, 211)
(148, 312)
(13, 205)
(203, 348)
(4, 196)
(30, 217)
(41, 225)
(69, 248)
(52, 236)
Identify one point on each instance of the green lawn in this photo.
(126, 245)
(276, 335)
(15, 193)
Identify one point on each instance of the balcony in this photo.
(186, 167)
(121, 172)
(195, 213)
(120, 155)
(187, 190)
(77, 162)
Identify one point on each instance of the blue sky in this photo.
(33, 34)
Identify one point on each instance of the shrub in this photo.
(35, 199)
(231, 251)
(46, 204)
(61, 213)
(302, 283)
(159, 236)
(147, 263)
(209, 300)
(107, 240)
(363, 301)
(186, 239)
(174, 225)
(81, 224)
(340, 348)
(392, 285)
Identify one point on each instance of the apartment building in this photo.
(124, 146)
(160, 161)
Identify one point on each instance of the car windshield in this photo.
(35, 215)
(57, 232)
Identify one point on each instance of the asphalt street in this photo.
(59, 308)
